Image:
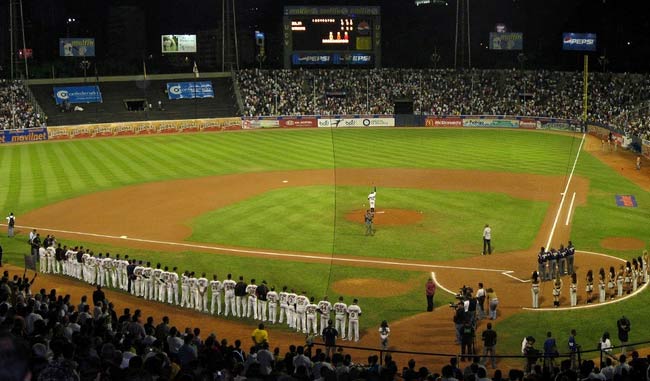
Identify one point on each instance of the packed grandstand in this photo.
(617, 99)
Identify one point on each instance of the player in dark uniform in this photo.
(368, 219)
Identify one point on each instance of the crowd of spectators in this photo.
(620, 99)
(16, 110)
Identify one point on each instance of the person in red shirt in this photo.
(430, 291)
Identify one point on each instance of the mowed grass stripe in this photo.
(5, 168)
(57, 170)
(43, 166)
(129, 172)
(14, 182)
(105, 176)
(77, 163)
(180, 148)
(171, 165)
(131, 148)
(127, 154)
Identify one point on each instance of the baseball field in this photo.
(287, 206)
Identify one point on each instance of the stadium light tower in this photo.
(462, 49)
(229, 46)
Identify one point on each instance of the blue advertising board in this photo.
(76, 47)
(190, 90)
(21, 136)
(77, 94)
(579, 41)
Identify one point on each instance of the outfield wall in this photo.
(316, 121)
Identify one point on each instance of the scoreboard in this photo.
(332, 36)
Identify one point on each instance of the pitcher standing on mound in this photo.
(371, 199)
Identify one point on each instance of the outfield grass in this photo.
(306, 219)
(34, 175)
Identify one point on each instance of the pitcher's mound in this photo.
(622, 243)
(387, 216)
(369, 287)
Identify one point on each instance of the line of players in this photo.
(551, 263)
(241, 300)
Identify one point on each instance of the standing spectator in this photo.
(329, 338)
(489, 337)
(11, 222)
(487, 240)
(550, 351)
(605, 345)
(384, 332)
(467, 341)
(260, 335)
(574, 350)
(480, 298)
(431, 292)
(623, 325)
(494, 303)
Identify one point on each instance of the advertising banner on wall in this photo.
(76, 47)
(442, 122)
(490, 123)
(579, 41)
(357, 121)
(190, 90)
(21, 136)
(143, 128)
(77, 94)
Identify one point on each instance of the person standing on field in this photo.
(11, 222)
(430, 292)
(354, 311)
(487, 240)
(368, 220)
(371, 199)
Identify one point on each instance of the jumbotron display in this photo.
(332, 36)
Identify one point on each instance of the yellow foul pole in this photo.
(585, 80)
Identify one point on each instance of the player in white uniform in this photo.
(291, 309)
(172, 297)
(156, 284)
(312, 323)
(371, 199)
(324, 307)
(284, 305)
(125, 276)
(194, 289)
(354, 311)
(51, 259)
(301, 304)
(42, 258)
(164, 286)
(229, 295)
(185, 289)
(272, 300)
(137, 272)
(215, 287)
(147, 274)
(100, 270)
(201, 303)
(340, 311)
(251, 306)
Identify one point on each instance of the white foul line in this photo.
(433, 276)
(509, 274)
(566, 188)
(568, 213)
(266, 253)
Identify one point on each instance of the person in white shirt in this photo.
(284, 304)
(11, 222)
(487, 240)
(215, 287)
(229, 295)
(172, 295)
(340, 311)
(354, 311)
(201, 303)
(156, 283)
(291, 309)
(371, 199)
(272, 300)
(384, 333)
(301, 319)
(324, 308)
(42, 258)
(312, 323)
(251, 305)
